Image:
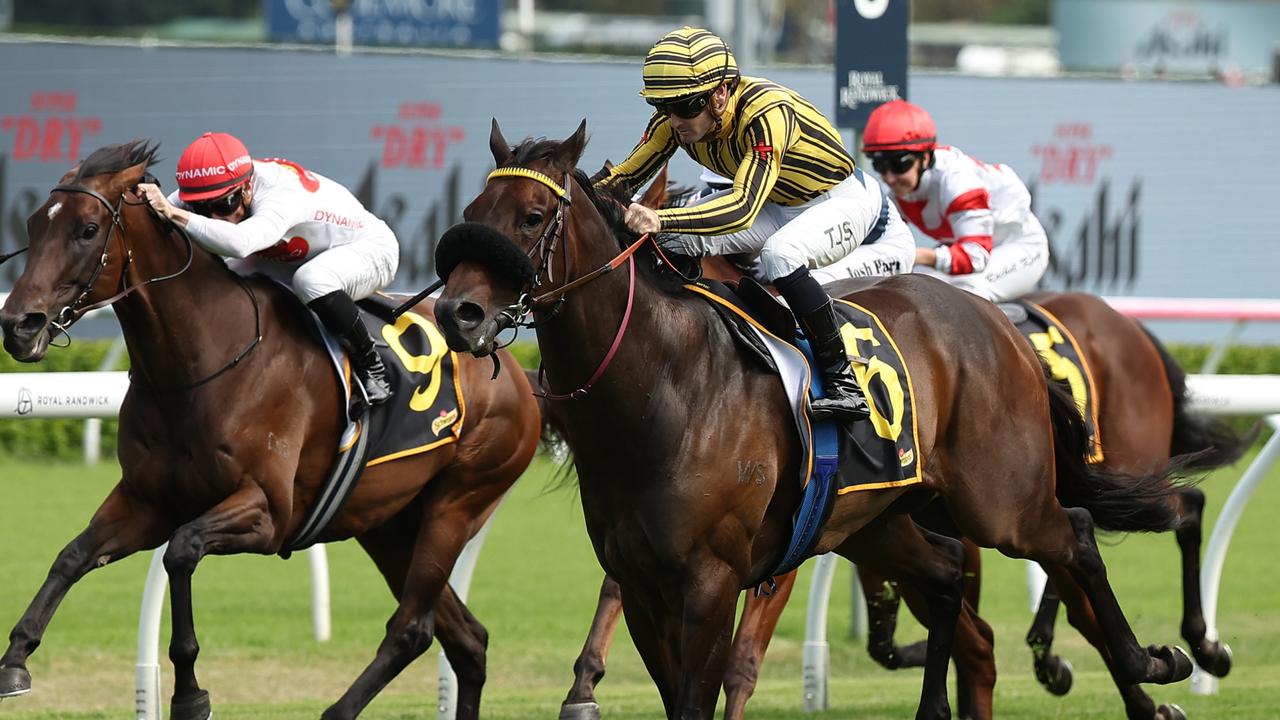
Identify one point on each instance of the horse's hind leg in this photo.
(1064, 537)
(241, 523)
(1138, 705)
(760, 616)
(588, 669)
(120, 527)
(1212, 656)
(465, 643)
(1053, 672)
(451, 504)
(933, 563)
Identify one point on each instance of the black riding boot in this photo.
(812, 306)
(341, 317)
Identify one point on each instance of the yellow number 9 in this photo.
(424, 396)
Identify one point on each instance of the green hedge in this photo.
(63, 439)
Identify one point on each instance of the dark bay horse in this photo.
(664, 411)
(230, 425)
(1143, 422)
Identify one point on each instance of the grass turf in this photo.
(535, 590)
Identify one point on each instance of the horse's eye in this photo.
(89, 231)
(532, 220)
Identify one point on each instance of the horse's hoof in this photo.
(14, 681)
(1215, 658)
(195, 708)
(580, 711)
(1054, 673)
(1176, 659)
(1170, 712)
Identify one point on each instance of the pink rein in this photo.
(613, 349)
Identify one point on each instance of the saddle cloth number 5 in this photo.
(891, 427)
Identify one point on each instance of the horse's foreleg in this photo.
(588, 669)
(704, 635)
(241, 523)
(883, 602)
(120, 527)
(1212, 656)
(760, 615)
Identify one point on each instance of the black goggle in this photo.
(220, 207)
(896, 164)
(687, 108)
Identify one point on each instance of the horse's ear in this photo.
(498, 145)
(656, 196)
(571, 149)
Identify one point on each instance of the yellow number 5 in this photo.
(889, 428)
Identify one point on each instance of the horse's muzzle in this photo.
(466, 326)
(26, 335)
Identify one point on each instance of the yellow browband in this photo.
(532, 175)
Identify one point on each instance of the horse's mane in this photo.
(114, 158)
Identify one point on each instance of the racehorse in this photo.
(664, 412)
(230, 425)
(1143, 422)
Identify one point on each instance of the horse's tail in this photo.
(1209, 442)
(1117, 501)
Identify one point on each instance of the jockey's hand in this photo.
(159, 202)
(641, 219)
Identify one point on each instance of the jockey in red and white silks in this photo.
(990, 243)
(277, 218)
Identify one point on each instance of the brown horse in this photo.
(665, 411)
(230, 425)
(1143, 423)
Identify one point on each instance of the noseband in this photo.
(529, 300)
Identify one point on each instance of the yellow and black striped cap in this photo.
(686, 62)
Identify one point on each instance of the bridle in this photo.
(72, 312)
(530, 301)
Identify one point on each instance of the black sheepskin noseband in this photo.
(481, 243)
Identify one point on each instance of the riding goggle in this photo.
(896, 164)
(220, 207)
(687, 108)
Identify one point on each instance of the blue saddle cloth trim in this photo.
(815, 505)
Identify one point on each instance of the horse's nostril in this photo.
(31, 323)
(469, 315)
